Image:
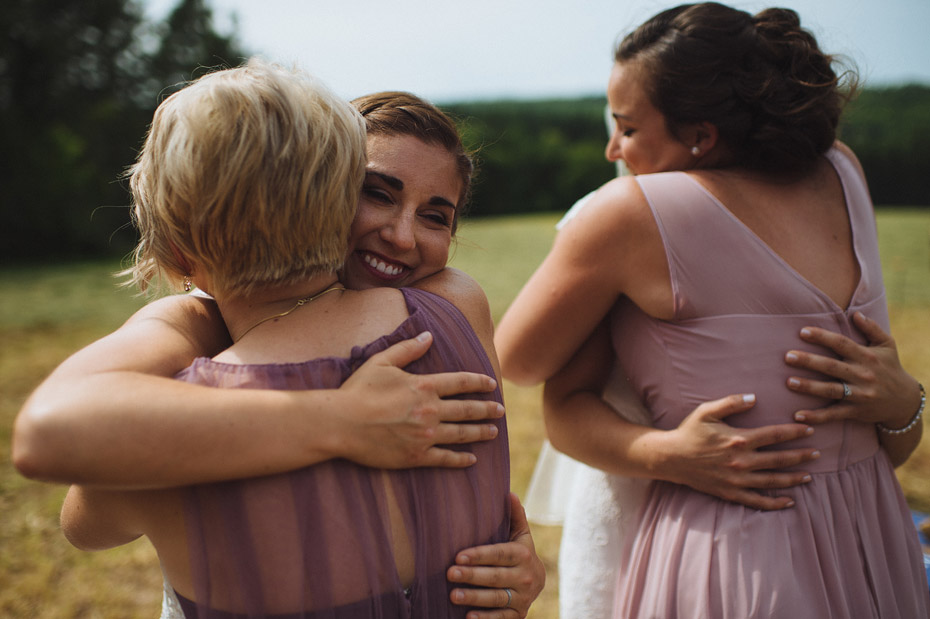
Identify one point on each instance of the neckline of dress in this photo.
(832, 156)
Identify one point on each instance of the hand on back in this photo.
(404, 426)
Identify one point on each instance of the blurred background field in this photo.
(48, 312)
(78, 84)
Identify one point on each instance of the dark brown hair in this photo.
(403, 113)
(761, 80)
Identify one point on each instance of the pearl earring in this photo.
(695, 151)
(188, 284)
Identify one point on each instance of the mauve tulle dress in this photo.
(325, 541)
(848, 547)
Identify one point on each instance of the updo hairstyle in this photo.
(761, 80)
(402, 113)
(252, 173)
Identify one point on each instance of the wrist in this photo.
(912, 421)
(657, 460)
(335, 432)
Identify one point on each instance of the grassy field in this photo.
(48, 312)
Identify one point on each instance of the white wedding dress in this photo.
(170, 607)
(593, 507)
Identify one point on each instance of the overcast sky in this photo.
(487, 49)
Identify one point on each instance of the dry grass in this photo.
(45, 314)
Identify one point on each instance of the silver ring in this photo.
(509, 598)
(846, 392)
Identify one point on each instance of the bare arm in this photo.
(881, 390)
(96, 519)
(610, 248)
(109, 415)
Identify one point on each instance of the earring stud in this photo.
(695, 151)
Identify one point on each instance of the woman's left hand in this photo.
(512, 567)
(877, 389)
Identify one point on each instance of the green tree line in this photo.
(889, 129)
(79, 82)
(543, 155)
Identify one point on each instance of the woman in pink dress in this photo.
(745, 223)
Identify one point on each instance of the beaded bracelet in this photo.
(914, 419)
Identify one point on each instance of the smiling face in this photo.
(640, 136)
(403, 228)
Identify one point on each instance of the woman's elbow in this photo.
(555, 414)
(519, 375)
(84, 533)
(519, 369)
(33, 451)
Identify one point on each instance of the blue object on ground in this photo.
(919, 517)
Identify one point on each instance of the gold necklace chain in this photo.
(300, 303)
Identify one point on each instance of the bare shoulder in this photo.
(620, 197)
(187, 314)
(389, 300)
(466, 294)
(460, 289)
(613, 240)
(194, 321)
(617, 211)
(161, 338)
(365, 315)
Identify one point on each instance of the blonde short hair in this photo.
(253, 173)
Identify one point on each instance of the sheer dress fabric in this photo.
(848, 547)
(339, 540)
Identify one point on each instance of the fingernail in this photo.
(805, 332)
(794, 382)
(462, 559)
(493, 430)
(500, 410)
(799, 417)
(808, 432)
(806, 479)
(815, 454)
(790, 504)
(455, 574)
(423, 336)
(749, 398)
(791, 357)
(458, 595)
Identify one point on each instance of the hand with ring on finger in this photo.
(505, 579)
(864, 381)
(846, 392)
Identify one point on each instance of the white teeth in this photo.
(382, 267)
